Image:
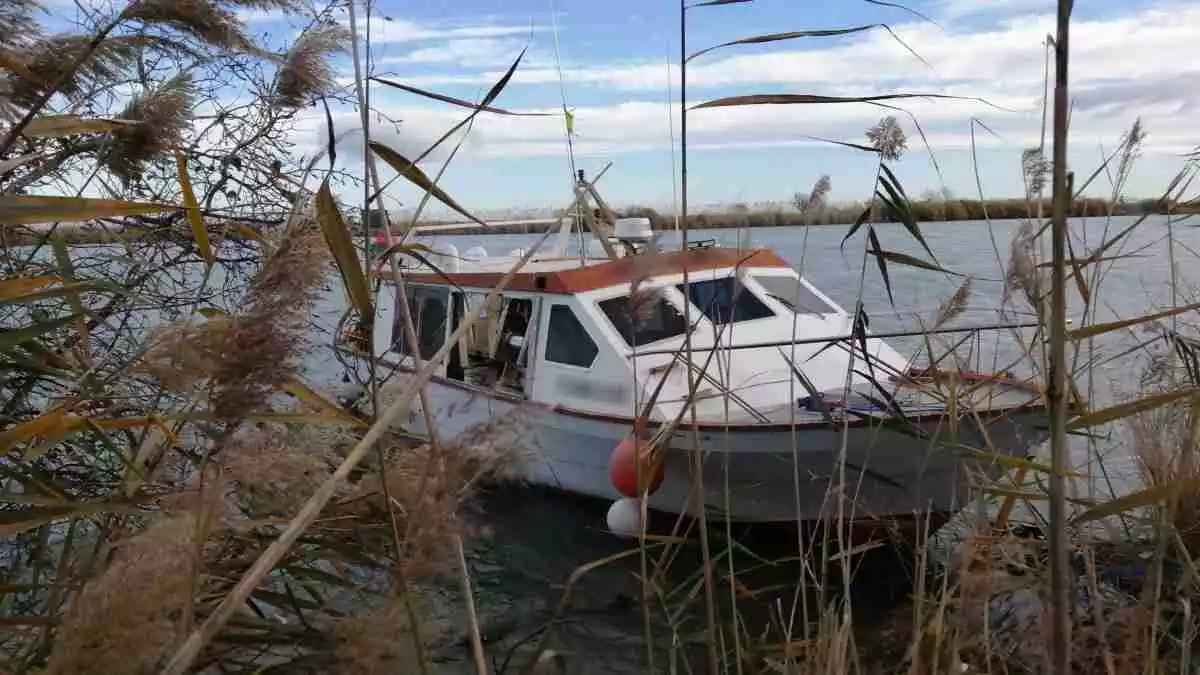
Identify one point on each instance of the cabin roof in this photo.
(606, 274)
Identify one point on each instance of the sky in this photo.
(614, 63)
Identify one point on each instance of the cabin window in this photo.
(429, 313)
(567, 340)
(725, 300)
(795, 295)
(654, 319)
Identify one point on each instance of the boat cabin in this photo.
(602, 336)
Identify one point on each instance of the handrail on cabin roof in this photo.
(842, 338)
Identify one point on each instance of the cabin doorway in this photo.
(494, 352)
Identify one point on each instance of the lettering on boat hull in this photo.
(591, 388)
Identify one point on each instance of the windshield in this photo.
(725, 300)
(794, 294)
(654, 319)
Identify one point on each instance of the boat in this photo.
(630, 372)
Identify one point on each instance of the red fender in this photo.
(623, 468)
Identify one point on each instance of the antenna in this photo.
(683, 175)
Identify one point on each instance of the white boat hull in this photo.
(774, 472)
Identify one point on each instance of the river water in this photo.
(535, 539)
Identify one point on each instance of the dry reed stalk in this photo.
(1056, 389)
(697, 489)
(190, 649)
(464, 581)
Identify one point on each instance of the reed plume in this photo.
(427, 486)
(271, 473)
(812, 205)
(41, 63)
(953, 307)
(204, 19)
(242, 359)
(267, 5)
(644, 296)
(306, 73)
(1035, 168)
(1022, 274)
(126, 619)
(17, 22)
(267, 338)
(162, 114)
(887, 137)
(1131, 149)
(376, 644)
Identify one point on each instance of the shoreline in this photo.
(748, 220)
(736, 218)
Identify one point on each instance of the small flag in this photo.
(378, 242)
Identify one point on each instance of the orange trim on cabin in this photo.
(611, 273)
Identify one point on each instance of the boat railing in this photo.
(840, 338)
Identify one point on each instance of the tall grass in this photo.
(176, 498)
(157, 433)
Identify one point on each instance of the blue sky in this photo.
(1131, 58)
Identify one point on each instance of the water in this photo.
(538, 538)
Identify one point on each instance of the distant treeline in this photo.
(925, 210)
(922, 210)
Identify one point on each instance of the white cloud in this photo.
(259, 15)
(1141, 63)
(951, 10)
(1150, 44)
(470, 53)
(392, 30)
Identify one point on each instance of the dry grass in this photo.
(1162, 442)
